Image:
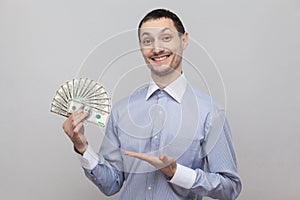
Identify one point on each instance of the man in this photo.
(157, 140)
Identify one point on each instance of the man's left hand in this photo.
(165, 164)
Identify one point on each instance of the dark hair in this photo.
(163, 13)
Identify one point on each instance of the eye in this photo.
(147, 41)
(167, 38)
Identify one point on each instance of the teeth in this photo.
(160, 58)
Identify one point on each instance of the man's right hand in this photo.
(74, 128)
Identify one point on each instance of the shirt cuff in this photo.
(89, 159)
(184, 177)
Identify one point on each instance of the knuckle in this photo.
(71, 117)
(75, 130)
(73, 124)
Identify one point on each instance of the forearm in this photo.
(220, 178)
(223, 186)
(107, 179)
(105, 176)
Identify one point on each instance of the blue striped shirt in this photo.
(178, 121)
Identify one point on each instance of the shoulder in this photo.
(205, 102)
(202, 98)
(200, 95)
(137, 96)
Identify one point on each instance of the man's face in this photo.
(161, 46)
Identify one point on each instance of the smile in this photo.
(160, 58)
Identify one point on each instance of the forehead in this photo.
(152, 26)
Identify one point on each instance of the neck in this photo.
(165, 80)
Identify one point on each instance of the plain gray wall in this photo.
(255, 44)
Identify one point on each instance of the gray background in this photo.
(256, 45)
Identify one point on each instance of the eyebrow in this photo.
(163, 30)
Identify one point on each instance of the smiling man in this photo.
(162, 48)
(164, 154)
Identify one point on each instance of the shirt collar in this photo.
(176, 89)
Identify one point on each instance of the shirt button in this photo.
(149, 188)
(161, 92)
(155, 137)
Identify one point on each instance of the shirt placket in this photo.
(161, 100)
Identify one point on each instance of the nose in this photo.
(157, 48)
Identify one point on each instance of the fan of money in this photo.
(86, 94)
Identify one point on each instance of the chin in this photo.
(162, 71)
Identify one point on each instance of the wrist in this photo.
(174, 168)
(80, 149)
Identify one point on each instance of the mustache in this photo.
(163, 53)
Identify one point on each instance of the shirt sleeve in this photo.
(184, 177)
(219, 179)
(89, 159)
(104, 171)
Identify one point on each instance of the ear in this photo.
(184, 40)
